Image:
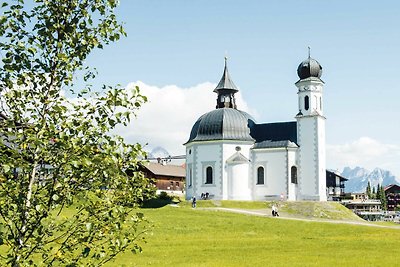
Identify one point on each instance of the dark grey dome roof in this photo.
(222, 124)
(309, 68)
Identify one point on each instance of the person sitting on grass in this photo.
(275, 211)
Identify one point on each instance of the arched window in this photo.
(260, 175)
(293, 174)
(306, 102)
(209, 175)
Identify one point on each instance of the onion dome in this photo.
(222, 124)
(309, 68)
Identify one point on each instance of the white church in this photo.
(232, 157)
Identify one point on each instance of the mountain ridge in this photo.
(359, 178)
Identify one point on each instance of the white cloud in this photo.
(364, 152)
(168, 116)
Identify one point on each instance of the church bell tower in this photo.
(226, 90)
(311, 132)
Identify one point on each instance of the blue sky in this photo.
(182, 44)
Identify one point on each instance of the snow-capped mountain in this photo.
(359, 177)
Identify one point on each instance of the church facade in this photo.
(232, 157)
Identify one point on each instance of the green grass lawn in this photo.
(198, 237)
(182, 236)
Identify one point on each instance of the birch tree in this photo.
(66, 198)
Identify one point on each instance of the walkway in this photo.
(267, 213)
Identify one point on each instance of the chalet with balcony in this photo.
(335, 186)
(392, 193)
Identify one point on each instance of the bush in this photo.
(164, 196)
(161, 200)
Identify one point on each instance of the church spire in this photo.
(226, 90)
(226, 82)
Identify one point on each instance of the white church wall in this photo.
(308, 161)
(228, 149)
(292, 193)
(207, 154)
(189, 183)
(238, 187)
(311, 137)
(275, 169)
(322, 159)
(316, 99)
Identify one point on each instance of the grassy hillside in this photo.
(200, 237)
(321, 210)
(298, 209)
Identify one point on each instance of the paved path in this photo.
(266, 213)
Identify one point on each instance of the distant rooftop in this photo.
(166, 170)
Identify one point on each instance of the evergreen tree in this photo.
(374, 193)
(378, 192)
(368, 190)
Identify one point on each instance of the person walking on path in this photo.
(194, 202)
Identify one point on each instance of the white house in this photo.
(232, 157)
